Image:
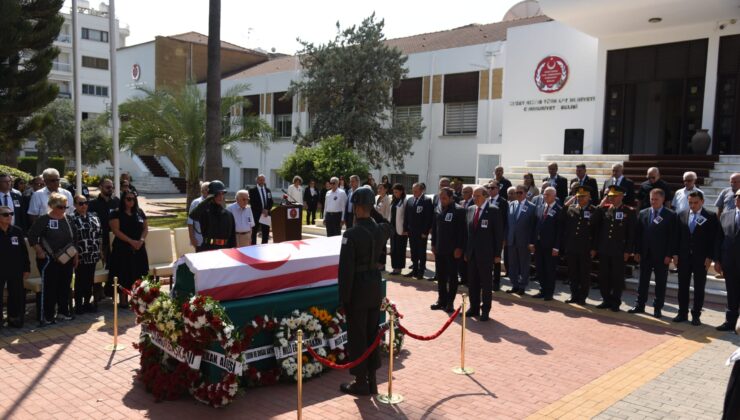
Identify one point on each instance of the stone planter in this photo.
(700, 142)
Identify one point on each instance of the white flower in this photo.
(283, 342)
(310, 369)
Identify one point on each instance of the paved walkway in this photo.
(534, 359)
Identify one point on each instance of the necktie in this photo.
(692, 222)
(264, 197)
(475, 218)
(544, 213)
(518, 207)
(5, 200)
(652, 215)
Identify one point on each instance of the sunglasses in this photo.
(7, 214)
(53, 180)
(82, 203)
(61, 207)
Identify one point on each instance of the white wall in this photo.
(527, 134)
(143, 55)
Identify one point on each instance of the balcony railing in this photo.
(64, 38)
(67, 95)
(59, 66)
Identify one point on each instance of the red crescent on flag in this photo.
(257, 263)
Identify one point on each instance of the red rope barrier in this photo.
(329, 363)
(435, 335)
(125, 290)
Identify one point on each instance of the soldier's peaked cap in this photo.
(583, 191)
(363, 195)
(615, 190)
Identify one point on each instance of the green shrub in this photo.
(87, 179)
(58, 163)
(28, 164)
(16, 173)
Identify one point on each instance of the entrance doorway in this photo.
(726, 131)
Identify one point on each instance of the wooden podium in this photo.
(286, 223)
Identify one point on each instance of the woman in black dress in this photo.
(128, 258)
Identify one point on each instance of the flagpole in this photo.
(76, 98)
(113, 42)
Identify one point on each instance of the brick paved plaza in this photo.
(534, 359)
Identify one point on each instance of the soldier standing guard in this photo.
(216, 223)
(614, 243)
(360, 286)
(578, 241)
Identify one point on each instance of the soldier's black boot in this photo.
(372, 383)
(638, 309)
(357, 387)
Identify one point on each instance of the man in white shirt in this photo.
(681, 198)
(196, 238)
(40, 199)
(334, 207)
(243, 218)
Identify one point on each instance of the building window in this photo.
(249, 177)
(252, 107)
(461, 103)
(94, 90)
(406, 113)
(487, 164)
(277, 183)
(95, 62)
(284, 125)
(94, 35)
(226, 176)
(283, 111)
(407, 180)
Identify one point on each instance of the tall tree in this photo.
(213, 165)
(347, 84)
(328, 158)
(29, 28)
(173, 123)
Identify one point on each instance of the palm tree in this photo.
(213, 162)
(173, 123)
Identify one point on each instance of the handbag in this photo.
(66, 254)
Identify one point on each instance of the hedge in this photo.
(15, 173)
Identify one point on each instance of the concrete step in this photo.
(712, 293)
(589, 165)
(584, 158)
(160, 185)
(729, 159)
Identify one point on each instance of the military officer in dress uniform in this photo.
(216, 223)
(482, 250)
(448, 242)
(577, 242)
(614, 243)
(360, 288)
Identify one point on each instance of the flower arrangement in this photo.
(287, 333)
(332, 327)
(143, 294)
(218, 394)
(166, 378)
(390, 308)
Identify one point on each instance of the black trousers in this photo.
(333, 223)
(647, 267)
(362, 328)
(265, 233)
(611, 279)
(462, 270)
(311, 215)
(349, 220)
(84, 279)
(56, 282)
(497, 276)
(398, 251)
(731, 269)
(418, 246)
(579, 274)
(446, 267)
(687, 267)
(480, 282)
(546, 265)
(16, 297)
(731, 409)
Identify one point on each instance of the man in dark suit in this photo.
(260, 199)
(12, 200)
(503, 183)
(484, 233)
(465, 202)
(558, 182)
(583, 180)
(520, 234)
(619, 180)
(349, 216)
(693, 252)
(653, 181)
(448, 243)
(578, 241)
(614, 241)
(546, 246)
(654, 238)
(417, 224)
(497, 200)
(727, 249)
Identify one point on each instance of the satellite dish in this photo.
(523, 9)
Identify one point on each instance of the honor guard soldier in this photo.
(614, 243)
(360, 286)
(578, 241)
(216, 223)
(448, 242)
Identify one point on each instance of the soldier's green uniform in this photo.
(615, 227)
(360, 291)
(578, 241)
(216, 223)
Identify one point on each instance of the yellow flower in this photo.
(332, 358)
(305, 359)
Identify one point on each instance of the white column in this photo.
(113, 41)
(77, 89)
(710, 85)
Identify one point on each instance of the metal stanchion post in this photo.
(390, 397)
(299, 358)
(115, 346)
(462, 370)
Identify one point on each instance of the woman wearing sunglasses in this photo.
(89, 240)
(52, 236)
(128, 258)
(16, 268)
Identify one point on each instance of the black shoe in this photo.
(581, 302)
(603, 305)
(437, 307)
(409, 274)
(639, 309)
(355, 388)
(449, 308)
(680, 318)
(571, 300)
(519, 292)
(614, 309)
(539, 296)
(726, 327)
(470, 314)
(658, 313)
(511, 291)
(419, 277)
(547, 298)
(695, 321)
(484, 318)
